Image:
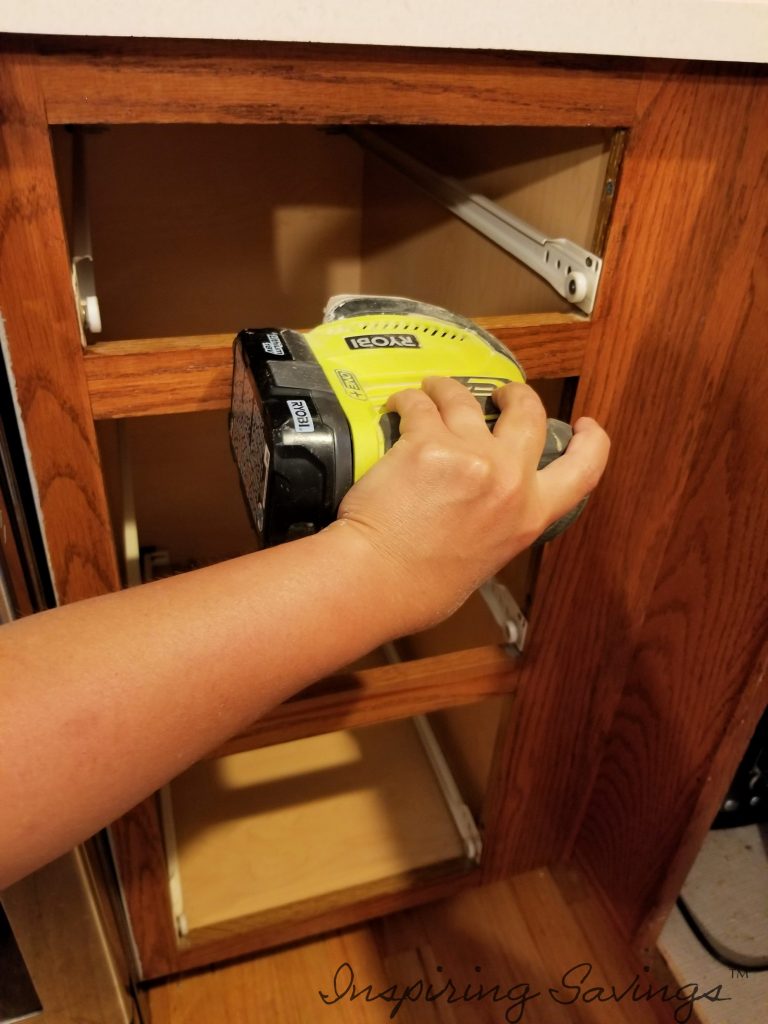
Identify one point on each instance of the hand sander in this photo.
(308, 412)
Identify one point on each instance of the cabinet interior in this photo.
(295, 822)
(206, 229)
(200, 229)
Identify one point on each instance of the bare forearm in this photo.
(104, 701)
(110, 698)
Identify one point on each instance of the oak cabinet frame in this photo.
(636, 699)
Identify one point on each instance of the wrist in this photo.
(381, 594)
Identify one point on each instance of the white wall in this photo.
(704, 29)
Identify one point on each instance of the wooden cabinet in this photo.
(219, 197)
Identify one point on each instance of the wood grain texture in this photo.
(629, 597)
(527, 932)
(659, 899)
(153, 376)
(43, 345)
(625, 599)
(383, 694)
(45, 355)
(133, 81)
(605, 940)
(159, 375)
(693, 693)
(137, 844)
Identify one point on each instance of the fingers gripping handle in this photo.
(559, 435)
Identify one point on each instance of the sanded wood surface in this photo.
(163, 375)
(133, 81)
(674, 540)
(526, 932)
(42, 338)
(382, 694)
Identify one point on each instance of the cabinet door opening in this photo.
(206, 229)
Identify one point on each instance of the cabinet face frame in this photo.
(656, 402)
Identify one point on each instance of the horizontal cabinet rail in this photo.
(383, 694)
(152, 376)
(182, 81)
(320, 914)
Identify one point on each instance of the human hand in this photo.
(452, 502)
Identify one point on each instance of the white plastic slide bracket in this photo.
(172, 862)
(131, 549)
(461, 814)
(506, 611)
(572, 271)
(83, 280)
(85, 294)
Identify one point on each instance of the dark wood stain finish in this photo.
(150, 81)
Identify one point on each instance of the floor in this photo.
(727, 894)
(532, 949)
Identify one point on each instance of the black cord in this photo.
(693, 924)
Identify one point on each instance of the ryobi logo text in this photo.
(301, 416)
(382, 341)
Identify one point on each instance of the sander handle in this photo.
(558, 438)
